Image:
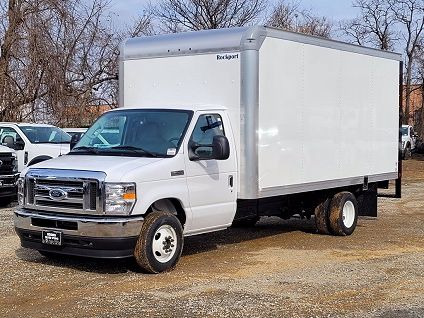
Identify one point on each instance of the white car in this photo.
(409, 141)
(34, 143)
(75, 131)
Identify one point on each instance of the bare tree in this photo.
(57, 57)
(289, 16)
(142, 26)
(410, 16)
(375, 26)
(181, 15)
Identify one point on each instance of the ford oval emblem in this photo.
(57, 194)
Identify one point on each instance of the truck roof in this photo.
(190, 107)
(25, 124)
(229, 40)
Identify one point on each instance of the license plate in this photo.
(52, 238)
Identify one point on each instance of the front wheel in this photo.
(160, 243)
(343, 214)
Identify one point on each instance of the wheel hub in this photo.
(348, 214)
(163, 244)
(167, 244)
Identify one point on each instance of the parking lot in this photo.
(276, 269)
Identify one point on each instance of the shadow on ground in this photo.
(204, 243)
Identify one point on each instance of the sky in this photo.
(335, 10)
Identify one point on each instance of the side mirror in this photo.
(19, 145)
(74, 140)
(220, 148)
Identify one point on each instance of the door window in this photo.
(207, 127)
(7, 131)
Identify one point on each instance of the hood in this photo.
(54, 148)
(114, 166)
(6, 149)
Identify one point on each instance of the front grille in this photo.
(7, 163)
(73, 196)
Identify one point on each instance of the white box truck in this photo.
(220, 127)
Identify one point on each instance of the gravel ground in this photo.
(277, 269)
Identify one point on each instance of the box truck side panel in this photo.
(187, 82)
(327, 117)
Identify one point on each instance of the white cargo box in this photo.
(308, 113)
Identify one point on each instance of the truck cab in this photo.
(34, 143)
(129, 163)
(409, 141)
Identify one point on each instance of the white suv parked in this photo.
(34, 143)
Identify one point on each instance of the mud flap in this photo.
(367, 201)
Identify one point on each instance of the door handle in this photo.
(231, 181)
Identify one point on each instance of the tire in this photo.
(343, 214)
(322, 218)
(249, 222)
(407, 154)
(159, 231)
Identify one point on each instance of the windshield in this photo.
(45, 135)
(136, 132)
(404, 131)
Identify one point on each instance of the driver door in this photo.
(211, 183)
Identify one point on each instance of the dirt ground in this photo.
(277, 269)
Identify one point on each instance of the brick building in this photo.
(416, 110)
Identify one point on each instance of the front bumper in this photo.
(8, 186)
(100, 237)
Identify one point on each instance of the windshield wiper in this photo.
(89, 149)
(135, 150)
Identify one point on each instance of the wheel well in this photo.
(171, 205)
(38, 159)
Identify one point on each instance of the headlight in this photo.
(15, 162)
(21, 187)
(120, 198)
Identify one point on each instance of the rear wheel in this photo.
(160, 243)
(343, 214)
(322, 220)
